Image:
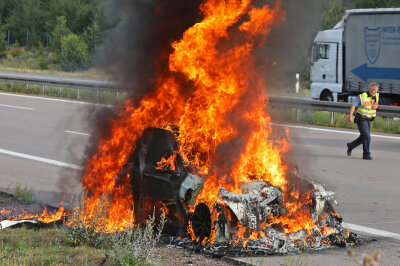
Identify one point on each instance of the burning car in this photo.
(160, 180)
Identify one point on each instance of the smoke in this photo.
(289, 44)
(138, 49)
(137, 52)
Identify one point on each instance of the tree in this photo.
(26, 22)
(93, 37)
(59, 33)
(74, 53)
(3, 42)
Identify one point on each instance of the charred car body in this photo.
(175, 189)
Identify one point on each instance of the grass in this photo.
(81, 241)
(23, 246)
(323, 118)
(23, 194)
(104, 97)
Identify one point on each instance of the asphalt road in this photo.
(42, 143)
(43, 132)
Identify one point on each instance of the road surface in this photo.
(42, 144)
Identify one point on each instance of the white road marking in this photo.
(52, 99)
(371, 231)
(78, 133)
(17, 107)
(333, 130)
(40, 159)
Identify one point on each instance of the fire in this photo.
(44, 217)
(167, 164)
(224, 131)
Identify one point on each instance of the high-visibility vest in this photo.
(365, 108)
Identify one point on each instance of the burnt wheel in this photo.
(201, 221)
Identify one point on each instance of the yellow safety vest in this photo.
(365, 108)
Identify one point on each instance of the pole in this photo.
(297, 92)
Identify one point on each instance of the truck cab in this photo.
(326, 71)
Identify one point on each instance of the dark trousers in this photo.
(364, 126)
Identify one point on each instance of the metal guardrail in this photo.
(341, 107)
(274, 100)
(58, 81)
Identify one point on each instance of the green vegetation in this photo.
(334, 9)
(105, 97)
(70, 31)
(74, 53)
(83, 241)
(323, 118)
(135, 245)
(23, 246)
(23, 194)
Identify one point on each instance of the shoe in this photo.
(367, 158)
(348, 150)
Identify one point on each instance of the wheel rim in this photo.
(201, 221)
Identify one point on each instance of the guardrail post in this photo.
(60, 91)
(332, 117)
(117, 96)
(43, 89)
(97, 95)
(78, 94)
(27, 86)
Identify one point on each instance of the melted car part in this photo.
(157, 187)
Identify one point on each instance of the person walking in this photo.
(366, 104)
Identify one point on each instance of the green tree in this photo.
(26, 22)
(3, 42)
(376, 3)
(74, 53)
(93, 37)
(59, 33)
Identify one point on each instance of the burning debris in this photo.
(243, 223)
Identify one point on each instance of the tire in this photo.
(326, 96)
(385, 100)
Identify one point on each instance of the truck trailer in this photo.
(363, 47)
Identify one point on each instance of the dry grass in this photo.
(89, 73)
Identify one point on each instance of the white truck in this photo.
(363, 47)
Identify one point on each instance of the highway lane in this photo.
(42, 127)
(367, 191)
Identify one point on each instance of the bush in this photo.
(43, 64)
(92, 231)
(135, 245)
(23, 194)
(74, 53)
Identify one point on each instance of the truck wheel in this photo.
(327, 96)
(385, 100)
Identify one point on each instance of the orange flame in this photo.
(223, 126)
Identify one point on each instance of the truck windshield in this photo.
(321, 51)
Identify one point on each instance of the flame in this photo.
(167, 164)
(44, 217)
(224, 131)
